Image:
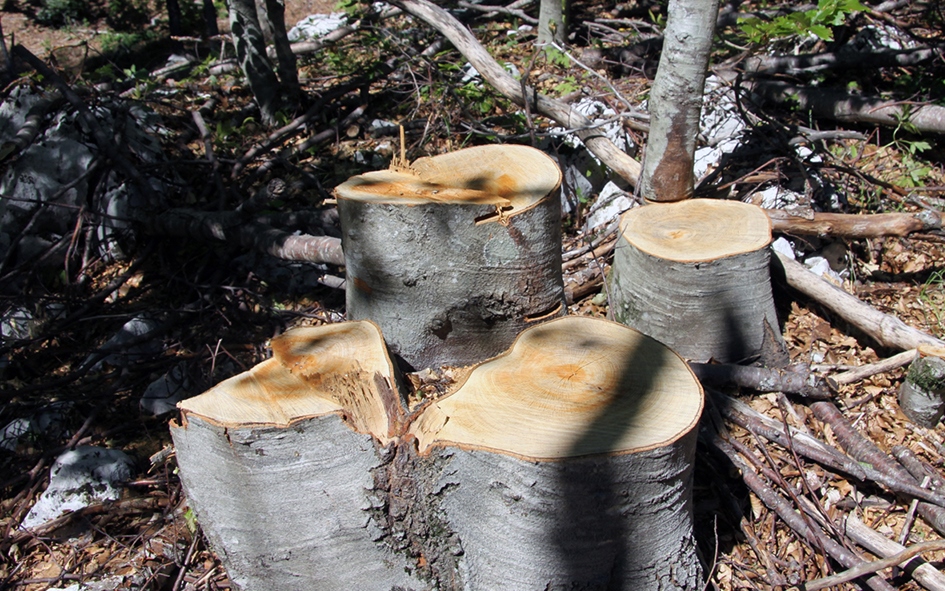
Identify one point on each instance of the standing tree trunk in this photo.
(565, 463)
(454, 255)
(552, 24)
(675, 102)
(271, 95)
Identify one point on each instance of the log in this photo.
(886, 330)
(694, 275)
(876, 225)
(454, 255)
(564, 463)
(922, 393)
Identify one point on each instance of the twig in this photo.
(874, 566)
(864, 371)
(211, 157)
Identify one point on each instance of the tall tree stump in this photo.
(694, 275)
(564, 463)
(454, 255)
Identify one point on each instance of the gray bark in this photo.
(447, 290)
(675, 100)
(251, 54)
(552, 27)
(289, 507)
(696, 287)
(922, 393)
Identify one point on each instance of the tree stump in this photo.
(922, 393)
(454, 255)
(694, 275)
(565, 463)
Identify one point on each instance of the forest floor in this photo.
(222, 305)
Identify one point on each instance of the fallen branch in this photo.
(886, 330)
(796, 379)
(867, 568)
(924, 573)
(875, 225)
(811, 63)
(785, 510)
(466, 43)
(840, 105)
(871, 369)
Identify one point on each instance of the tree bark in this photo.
(552, 27)
(695, 276)
(675, 102)
(454, 255)
(922, 393)
(565, 463)
(251, 54)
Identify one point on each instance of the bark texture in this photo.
(551, 23)
(694, 275)
(922, 393)
(565, 463)
(675, 101)
(456, 256)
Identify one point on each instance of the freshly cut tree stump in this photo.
(565, 463)
(922, 393)
(694, 275)
(454, 255)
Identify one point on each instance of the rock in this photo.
(611, 202)
(317, 25)
(79, 478)
(133, 343)
(163, 394)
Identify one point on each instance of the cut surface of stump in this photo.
(695, 275)
(454, 255)
(565, 462)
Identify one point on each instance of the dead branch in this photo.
(233, 227)
(796, 379)
(467, 44)
(874, 566)
(786, 511)
(924, 573)
(871, 369)
(811, 63)
(875, 225)
(513, 9)
(889, 472)
(840, 105)
(886, 330)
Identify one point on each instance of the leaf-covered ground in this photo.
(219, 305)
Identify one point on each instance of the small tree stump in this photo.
(454, 255)
(694, 275)
(564, 463)
(922, 393)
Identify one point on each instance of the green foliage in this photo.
(127, 15)
(556, 57)
(816, 21)
(61, 13)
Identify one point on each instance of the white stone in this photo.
(79, 478)
(317, 25)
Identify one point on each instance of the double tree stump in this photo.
(564, 463)
(562, 460)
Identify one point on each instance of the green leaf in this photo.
(823, 32)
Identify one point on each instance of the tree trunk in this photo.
(552, 27)
(251, 54)
(565, 463)
(675, 102)
(210, 19)
(454, 255)
(273, 17)
(174, 26)
(695, 276)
